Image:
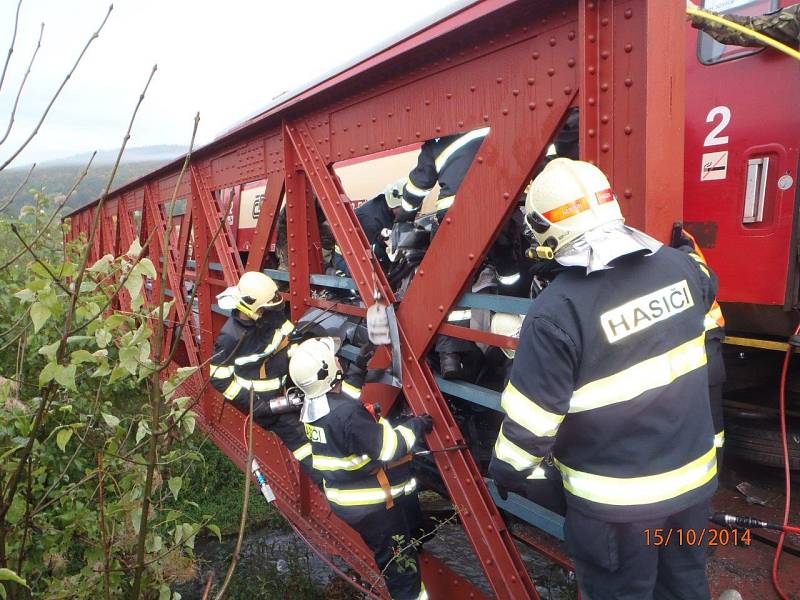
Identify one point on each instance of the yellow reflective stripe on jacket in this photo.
(220, 372)
(526, 413)
(642, 377)
(408, 436)
(719, 439)
(232, 390)
(445, 203)
(631, 491)
(406, 206)
(509, 452)
(365, 496)
(389, 445)
(347, 463)
(457, 144)
(260, 385)
(416, 191)
(302, 452)
(714, 317)
(700, 263)
(351, 390)
(423, 594)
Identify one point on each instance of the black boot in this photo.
(450, 365)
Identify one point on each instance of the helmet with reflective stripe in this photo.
(394, 192)
(506, 324)
(567, 199)
(254, 291)
(314, 368)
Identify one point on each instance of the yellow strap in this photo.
(764, 39)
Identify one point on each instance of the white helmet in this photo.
(314, 368)
(394, 192)
(567, 199)
(254, 291)
(506, 324)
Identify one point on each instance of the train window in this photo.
(365, 177)
(711, 52)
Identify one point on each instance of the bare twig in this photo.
(57, 210)
(11, 48)
(19, 189)
(22, 85)
(103, 532)
(245, 504)
(95, 35)
(52, 275)
(207, 591)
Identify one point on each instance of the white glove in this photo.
(378, 325)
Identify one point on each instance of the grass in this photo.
(216, 486)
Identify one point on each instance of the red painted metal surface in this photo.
(755, 262)
(514, 66)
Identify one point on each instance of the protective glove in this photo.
(425, 421)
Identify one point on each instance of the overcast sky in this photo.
(223, 59)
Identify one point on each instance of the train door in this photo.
(741, 161)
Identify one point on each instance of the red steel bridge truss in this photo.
(514, 66)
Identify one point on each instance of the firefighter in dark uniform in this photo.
(377, 217)
(251, 353)
(715, 334)
(782, 25)
(353, 451)
(610, 379)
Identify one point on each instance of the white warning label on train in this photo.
(715, 166)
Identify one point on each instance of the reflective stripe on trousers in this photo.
(367, 496)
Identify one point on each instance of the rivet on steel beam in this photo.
(448, 95)
(627, 193)
(358, 124)
(531, 81)
(604, 119)
(628, 48)
(366, 147)
(408, 109)
(571, 62)
(532, 105)
(535, 55)
(430, 326)
(344, 128)
(571, 35)
(605, 147)
(505, 111)
(592, 37)
(627, 130)
(499, 80)
(448, 220)
(567, 91)
(515, 92)
(417, 134)
(408, 386)
(604, 21)
(592, 70)
(592, 101)
(373, 119)
(604, 54)
(480, 160)
(382, 143)
(389, 115)
(549, 102)
(471, 256)
(604, 87)
(591, 132)
(427, 102)
(628, 13)
(551, 71)
(352, 150)
(506, 195)
(552, 41)
(628, 82)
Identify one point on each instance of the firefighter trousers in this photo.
(634, 561)
(383, 530)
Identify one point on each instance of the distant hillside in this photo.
(58, 176)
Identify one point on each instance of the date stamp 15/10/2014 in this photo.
(664, 536)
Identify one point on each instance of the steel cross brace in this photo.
(267, 221)
(175, 283)
(485, 528)
(224, 244)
